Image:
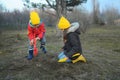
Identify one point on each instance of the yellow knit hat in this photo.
(34, 17)
(63, 23)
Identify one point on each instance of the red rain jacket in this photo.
(34, 32)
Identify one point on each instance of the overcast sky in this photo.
(18, 4)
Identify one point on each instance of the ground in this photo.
(101, 47)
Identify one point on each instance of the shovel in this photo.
(35, 51)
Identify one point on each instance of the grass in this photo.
(100, 47)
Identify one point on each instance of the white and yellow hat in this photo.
(34, 18)
(63, 23)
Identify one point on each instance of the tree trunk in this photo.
(61, 11)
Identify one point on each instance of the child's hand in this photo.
(64, 41)
(31, 42)
(37, 38)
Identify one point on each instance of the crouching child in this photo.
(72, 50)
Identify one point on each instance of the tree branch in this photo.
(50, 4)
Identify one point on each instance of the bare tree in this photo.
(111, 14)
(2, 9)
(96, 11)
(82, 16)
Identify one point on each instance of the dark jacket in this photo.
(72, 44)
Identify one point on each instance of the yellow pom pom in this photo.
(63, 23)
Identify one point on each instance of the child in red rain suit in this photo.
(36, 31)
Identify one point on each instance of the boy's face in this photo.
(36, 25)
(65, 31)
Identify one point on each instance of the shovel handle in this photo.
(34, 42)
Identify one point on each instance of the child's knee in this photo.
(30, 47)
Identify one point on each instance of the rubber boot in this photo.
(80, 58)
(30, 56)
(63, 58)
(43, 49)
